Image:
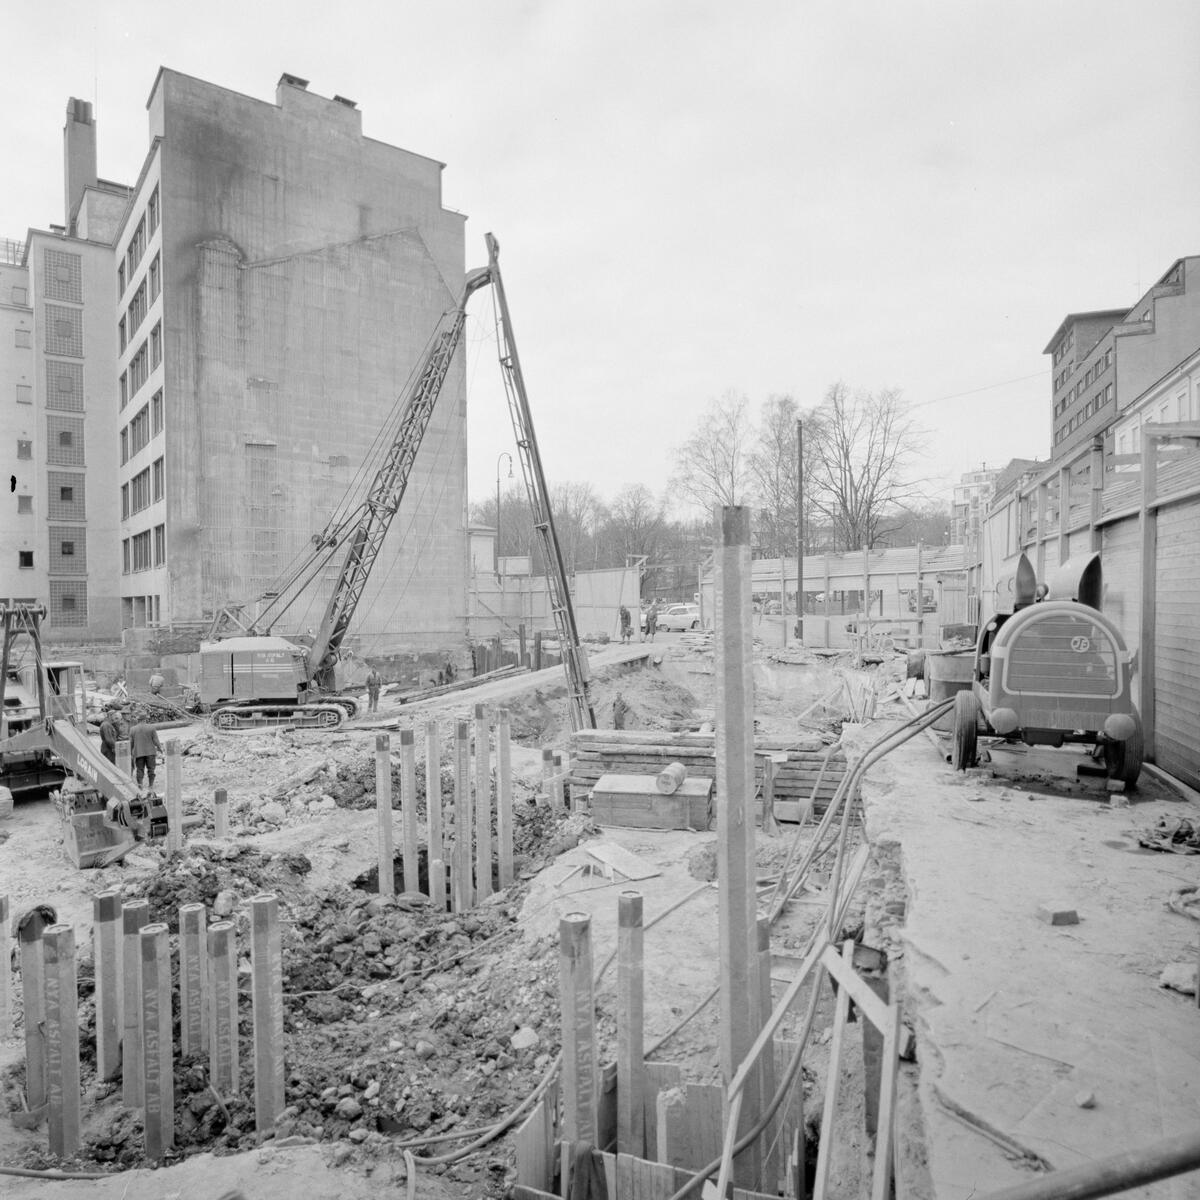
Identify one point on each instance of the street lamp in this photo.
(502, 454)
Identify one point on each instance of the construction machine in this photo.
(45, 743)
(251, 677)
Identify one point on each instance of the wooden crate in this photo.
(633, 801)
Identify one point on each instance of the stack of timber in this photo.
(597, 752)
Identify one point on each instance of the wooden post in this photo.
(483, 805)
(222, 1008)
(174, 796)
(1148, 567)
(522, 652)
(783, 598)
(266, 971)
(124, 759)
(62, 1039)
(6, 1009)
(106, 954)
(155, 950)
(383, 813)
(580, 1071)
(772, 1159)
(740, 1009)
(134, 917)
(1064, 514)
(558, 787)
(865, 633)
(920, 599)
(504, 810)
(193, 981)
(631, 1066)
(827, 601)
(433, 815)
(769, 770)
(537, 649)
(460, 875)
(221, 813)
(408, 811)
(29, 934)
(547, 772)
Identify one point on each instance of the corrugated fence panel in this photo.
(1121, 557)
(1177, 642)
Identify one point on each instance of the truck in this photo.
(1051, 669)
(44, 745)
(251, 677)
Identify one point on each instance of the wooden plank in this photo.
(706, 1122)
(533, 1150)
(824, 1153)
(638, 1179)
(483, 805)
(659, 1075)
(579, 1069)
(383, 813)
(672, 1128)
(623, 861)
(885, 1137)
(634, 802)
(843, 971)
(606, 1108)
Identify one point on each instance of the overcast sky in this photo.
(697, 197)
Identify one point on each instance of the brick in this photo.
(1057, 912)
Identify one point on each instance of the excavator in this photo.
(103, 812)
(251, 677)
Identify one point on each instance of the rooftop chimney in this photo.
(79, 157)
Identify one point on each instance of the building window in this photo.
(124, 389)
(24, 504)
(25, 560)
(152, 211)
(65, 438)
(156, 345)
(122, 336)
(22, 339)
(139, 431)
(66, 496)
(125, 557)
(124, 501)
(137, 247)
(141, 551)
(24, 449)
(155, 277)
(125, 445)
(160, 545)
(139, 491)
(64, 331)
(156, 413)
(121, 279)
(158, 479)
(138, 307)
(20, 296)
(139, 369)
(24, 393)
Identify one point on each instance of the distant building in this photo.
(971, 495)
(197, 368)
(1102, 361)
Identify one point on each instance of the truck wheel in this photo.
(1124, 759)
(966, 718)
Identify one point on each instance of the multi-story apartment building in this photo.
(971, 495)
(196, 369)
(1103, 361)
(278, 277)
(57, 364)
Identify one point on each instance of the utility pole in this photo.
(799, 531)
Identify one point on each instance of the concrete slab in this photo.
(1016, 1017)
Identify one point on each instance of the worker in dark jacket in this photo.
(109, 734)
(145, 748)
(374, 683)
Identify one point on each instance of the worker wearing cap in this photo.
(145, 748)
(374, 683)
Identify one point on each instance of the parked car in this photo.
(680, 617)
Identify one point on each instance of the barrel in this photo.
(670, 778)
(948, 673)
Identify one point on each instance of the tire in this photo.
(966, 730)
(1124, 759)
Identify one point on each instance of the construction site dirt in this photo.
(412, 1030)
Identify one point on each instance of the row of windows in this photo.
(144, 489)
(144, 426)
(144, 550)
(137, 243)
(64, 549)
(63, 503)
(139, 366)
(65, 443)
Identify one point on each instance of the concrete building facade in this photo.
(971, 495)
(279, 276)
(1103, 361)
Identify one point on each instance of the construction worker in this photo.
(651, 621)
(374, 683)
(109, 735)
(626, 624)
(156, 684)
(620, 709)
(145, 747)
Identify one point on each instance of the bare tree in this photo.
(634, 525)
(773, 463)
(575, 508)
(862, 445)
(713, 466)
